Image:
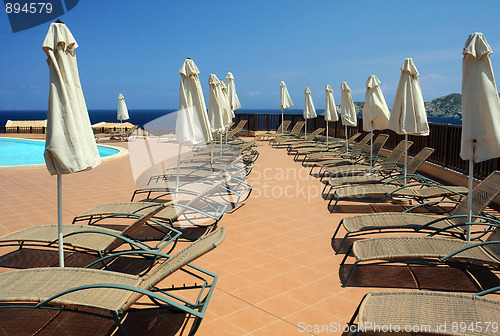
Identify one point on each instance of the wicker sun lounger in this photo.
(112, 295)
(199, 211)
(392, 160)
(237, 129)
(95, 239)
(285, 142)
(361, 158)
(282, 129)
(335, 153)
(309, 147)
(383, 173)
(427, 312)
(430, 250)
(482, 195)
(427, 191)
(294, 133)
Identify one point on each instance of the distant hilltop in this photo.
(449, 106)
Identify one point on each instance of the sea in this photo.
(142, 117)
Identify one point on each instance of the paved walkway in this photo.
(279, 274)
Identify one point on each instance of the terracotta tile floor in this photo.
(279, 274)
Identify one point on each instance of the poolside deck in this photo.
(279, 274)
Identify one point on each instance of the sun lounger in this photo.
(378, 164)
(452, 225)
(273, 133)
(314, 146)
(112, 295)
(237, 129)
(280, 142)
(361, 158)
(95, 239)
(199, 210)
(382, 173)
(427, 191)
(295, 132)
(429, 250)
(427, 312)
(338, 152)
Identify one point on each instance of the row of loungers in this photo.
(145, 231)
(393, 312)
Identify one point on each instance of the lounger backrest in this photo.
(418, 159)
(482, 195)
(354, 137)
(397, 152)
(297, 127)
(284, 126)
(136, 225)
(180, 259)
(494, 249)
(314, 134)
(379, 143)
(360, 145)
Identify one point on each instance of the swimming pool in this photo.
(15, 152)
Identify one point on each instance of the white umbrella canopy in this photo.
(228, 112)
(191, 95)
(480, 108)
(408, 112)
(216, 105)
(70, 145)
(347, 110)
(309, 110)
(330, 108)
(285, 100)
(375, 111)
(234, 102)
(122, 109)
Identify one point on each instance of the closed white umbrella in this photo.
(309, 110)
(216, 105)
(228, 112)
(70, 145)
(122, 110)
(234, 102)
(191, 95)
(408, 112)
(480, 108)
(347, 110)
(330, 109)
(375, 111)
(285, 100)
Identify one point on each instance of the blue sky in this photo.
(136, 48)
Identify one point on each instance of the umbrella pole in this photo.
(371, 148)
(178, 168)
(282, 119)
(469, 197)
(406, 156)
(220, 138)
(346, 144)
(305, 128)
(327, 132)
(59, 220)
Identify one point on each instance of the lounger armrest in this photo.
(488, 224)
(488, 291)
(468, 248)
(426, 204)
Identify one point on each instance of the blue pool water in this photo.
(14, 152)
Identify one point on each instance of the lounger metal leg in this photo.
(350, 273)
(336, 201)
(120, 325)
